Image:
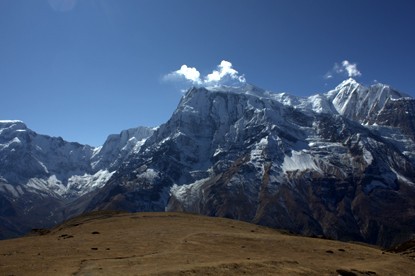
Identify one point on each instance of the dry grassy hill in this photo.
(109, 243)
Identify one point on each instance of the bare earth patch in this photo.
(110, 243)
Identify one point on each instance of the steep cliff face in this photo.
(399, 113)
(118, 147)
(360, 103)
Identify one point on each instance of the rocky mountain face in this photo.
(339, 164)
(40, 175)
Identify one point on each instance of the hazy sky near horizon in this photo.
(83, 69)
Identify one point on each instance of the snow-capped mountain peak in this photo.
(347, 83)
(243, 88)
(360, 103)
(8, 126)
(40, 164)
(4, 123)
(118, 147)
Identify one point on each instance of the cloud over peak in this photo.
(224, 71)
(351, 69)
(189, 73)
(344, 68)
(224, 74)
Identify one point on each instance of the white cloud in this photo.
(338, 68)
(223, 75)
(351, 69)
(188, 73)
(224, 70)
(214, 76)
(344, 68)
(328, 75)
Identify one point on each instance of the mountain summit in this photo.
(337, 164)
(360, 103)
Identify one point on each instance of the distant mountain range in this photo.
(339, 164)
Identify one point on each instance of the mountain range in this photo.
(340, 164)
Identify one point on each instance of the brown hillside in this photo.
(109, 243)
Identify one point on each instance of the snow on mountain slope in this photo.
(26, 156)
(40, 174)
(286, 162)
(54, 167)
(360, 103)
(316, 103)
(332, 164)
(117, 147)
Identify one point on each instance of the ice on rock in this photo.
(361, 103)
(299, 160)
(81, 184)
(187, 194)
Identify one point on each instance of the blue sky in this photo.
(83, 69)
